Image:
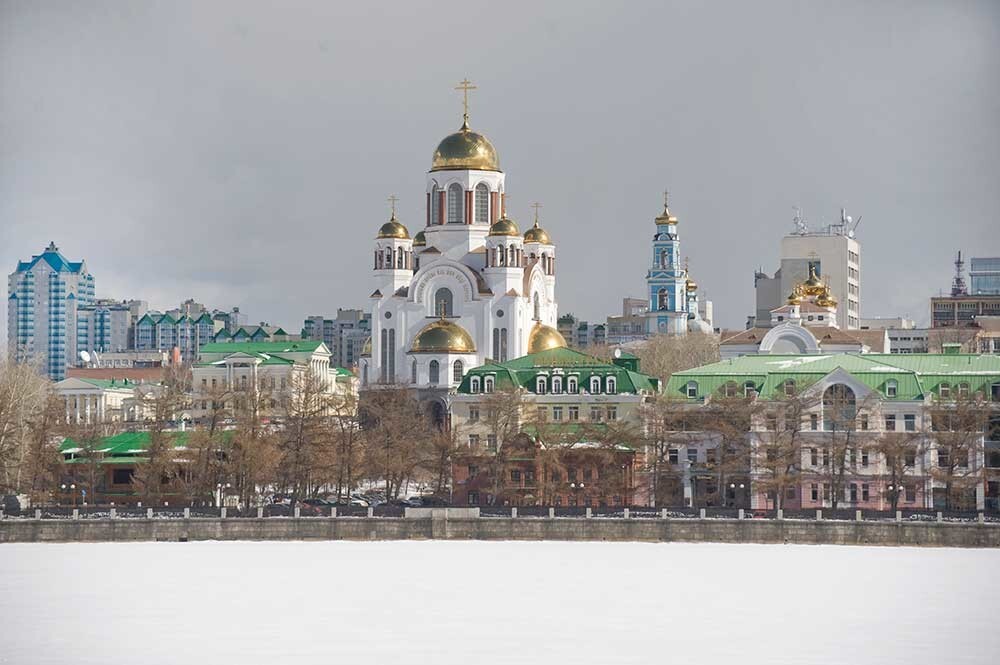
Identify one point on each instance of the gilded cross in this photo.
(465, 86)
(392, 201)
(666, 198)
(687, 260)
(536, 206)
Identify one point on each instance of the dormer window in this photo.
(540, 385)
(891, 388)
(572, 385)
(944, 390)
(557, 385)
(488, 384)
(789, 387)
(749, 388)
(595, 385)
(474, 384)
(692, 389)
(612, 384)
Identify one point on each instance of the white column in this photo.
(86, 410)
(66, 400)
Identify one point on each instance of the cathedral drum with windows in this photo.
(466, 289)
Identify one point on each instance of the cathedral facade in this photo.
(468, 288)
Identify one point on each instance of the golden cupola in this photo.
(813, 286)
(543, 338)
(420, 240)
(465, 150)
(691, 285)
(537, 234)
(443, 336)
(795, 297)
(666, 217)
(505, 226)
(393, 229)
(826, 298)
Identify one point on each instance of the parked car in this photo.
(432, 501)
(10, 504)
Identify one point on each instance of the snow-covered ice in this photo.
(495, 602)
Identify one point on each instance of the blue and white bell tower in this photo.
(667, 280)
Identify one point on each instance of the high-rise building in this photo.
(345, 335)
(833, 253)
(103, 327)
(631, 325)
(44, 295)
(985, 276)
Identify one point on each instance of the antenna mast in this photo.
(958, 284)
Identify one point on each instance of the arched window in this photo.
(540, 385)
(557, 385)
(503, 345)
(413, 372)
(612, 384)
(538, 307)
(692, 389)
(891, 388)
(457, 371)
(455, 194)
(388, 258)
(749, 388)
(944, 390)
(595, 385)
(510, 257)
(789, 386)
(400, 257)
(501, 257)
(963, 389)
(664, 258)
(474, 384)
(443, 302)
(378, 259)
(729, 389)
(434, 373)
(488, 383)
(662, 299)
(482, 203)
(435, 204)
(572, 385)
(839, 408)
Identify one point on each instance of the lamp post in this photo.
(221, 487)
(63, 487)
(72, 489)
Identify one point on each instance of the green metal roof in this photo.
(296, 346)
(521, 372)
(915, 375)
(124, 384)
(128, 445)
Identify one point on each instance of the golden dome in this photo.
(420, 240)
(691, 285)
(543, 338)
(666, 217)
(366, 350)
(465, 149)
(504, 226)
(443, 336)
(813, 286)
(537, 234)
(393, 229)
(826, 298)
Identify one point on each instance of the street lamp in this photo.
(72, 488)
(221, 487)
(63, 487)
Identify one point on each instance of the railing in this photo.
(508, 512)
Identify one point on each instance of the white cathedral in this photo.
(467, 289)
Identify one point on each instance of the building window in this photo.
(455, 196)
(474, 384)
(692, 455)
(612, 384)
(595, 385)
(572, 385)
(482, 203)
(814, 492)
(473, 413)
(434, 372)
(891, 388)
(749, 388)
(595, 414)
(789, 386)
(864, 492)
(443, 303)
(473, 439)
(813, 422)
(435, 203)
(864, 421)
(944, 390)
(910, 422)
(413, 372)
(814, 457)
(491, 441)
(692, 389)
(890, 422)
(673, 455)
(540, 385)
(963, 390)
(556, 385)
(488, 384)
(557, 413)
(612, 413)
(573, 412)
(457, 371)
(772, 422)
(515, 476)
(543, 414)
(473, 498)
(864, 458)
(730, 389)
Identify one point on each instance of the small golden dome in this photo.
(813, 286)
(366, 350)
(826, 298)
(666, 217)
(504, 226)
(443, 336)
(537, 234)
(393, 229)
(691, 285)
(465, 149)
(543, 338)
(795, 298)
(420, 240)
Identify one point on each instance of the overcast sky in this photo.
(241, 153)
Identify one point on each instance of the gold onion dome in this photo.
(393, 229)
(537, 234)
(420, 240)
(666, 217)
(826, 299)
(504, 226)
(813, 286)
(443, 336)
(795, 298)
(465, 149)
(543, 338)
(691, 285)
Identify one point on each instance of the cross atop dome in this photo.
(465, 85)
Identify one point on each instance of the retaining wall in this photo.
(925, 534)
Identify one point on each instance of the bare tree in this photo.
(502, 410)
(23, 392)
(662, 355)
(397, 431)
(777, 453)
(957, 427)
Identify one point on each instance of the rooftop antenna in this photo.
(958, 283)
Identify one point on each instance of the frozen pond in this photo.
(498, 602)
